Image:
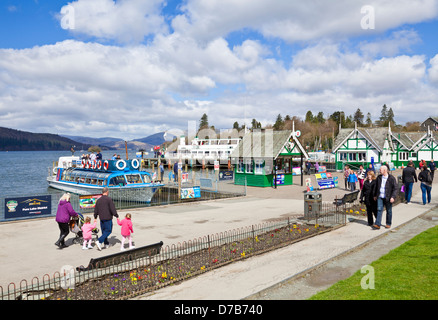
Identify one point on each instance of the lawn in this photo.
(409, 272)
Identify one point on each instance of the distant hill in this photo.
(16, 140)
(116, 143)
(154, 139)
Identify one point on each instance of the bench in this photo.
(128, 255)
(347, 198)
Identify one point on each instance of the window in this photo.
(240, 166)
(362, 156)
(249, 168)
(146, 178)
(258, 167)
(403, 156)
(133, 178)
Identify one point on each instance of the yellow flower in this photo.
(203, 268)
(243, 254)
(316, 225)
(164, 275)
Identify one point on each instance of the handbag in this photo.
(402, 188)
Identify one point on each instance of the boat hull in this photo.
(135, 193)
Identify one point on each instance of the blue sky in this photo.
(149, 66)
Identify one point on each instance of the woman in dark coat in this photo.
(367, 196)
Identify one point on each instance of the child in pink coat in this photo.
(87, 233)
(126, 231)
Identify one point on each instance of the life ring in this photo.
(93, 164)
(88, 164)
(84, 163)
(122, 166)
(135, 163)
(99, 164)
(105, 165)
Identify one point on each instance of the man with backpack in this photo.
(426, 183)
(409, 176)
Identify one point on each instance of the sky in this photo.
(131, 68)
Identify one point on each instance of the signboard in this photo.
(184, 177)
(190, 193)
(279, 178)
(309, 185)
(325, 180)
(216, 165)
(296, 171)
(226, 175)
(25, 207)
(88, 201)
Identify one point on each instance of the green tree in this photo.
(309, 117)
(203, 123)
(358, 117)
(369, 122)
(320, 117)
(278, 125)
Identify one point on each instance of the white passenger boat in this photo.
(87, 177)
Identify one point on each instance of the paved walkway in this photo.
(27, 247)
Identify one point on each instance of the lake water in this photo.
(24, 173)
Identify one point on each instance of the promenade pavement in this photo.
(27, 248)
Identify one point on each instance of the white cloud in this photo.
(133, 90)
(127, 21)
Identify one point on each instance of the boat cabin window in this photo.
(146, 178)
(133, 178)
(117, 181)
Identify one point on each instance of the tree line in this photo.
(318, 131)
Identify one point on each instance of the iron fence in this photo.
(132, 276)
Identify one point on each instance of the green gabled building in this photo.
(362, 146)
(264, 154)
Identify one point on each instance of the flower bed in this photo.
(164, 271)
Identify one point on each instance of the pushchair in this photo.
(76, 224)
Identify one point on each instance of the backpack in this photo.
(428, 177)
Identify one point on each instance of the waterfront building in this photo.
(265, 158)
(362, 146)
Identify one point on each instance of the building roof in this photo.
(378, 136)
(264, 144)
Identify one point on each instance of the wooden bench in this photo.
(128, 255)
(347, 198)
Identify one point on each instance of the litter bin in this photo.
(312, 204)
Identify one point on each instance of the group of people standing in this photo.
(426, 175)
(380, 192)
(351, 177)
(105, 210)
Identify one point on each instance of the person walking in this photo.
(432, 168)
(385, 194)
(352, 179)
(426, 184)
(63, 214)
(367, 197)
(105, 210)
(409, 176)
(87, 234)
(346, 174)
(126, 231)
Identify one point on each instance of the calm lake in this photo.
(24, 173)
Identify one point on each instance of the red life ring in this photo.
(99, 164)
(84, 163)
(105, 165)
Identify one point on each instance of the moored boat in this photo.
(89, 177)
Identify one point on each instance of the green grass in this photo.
(409, 272)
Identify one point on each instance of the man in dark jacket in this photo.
(409, 176)
(385, 195)
(106, 210)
